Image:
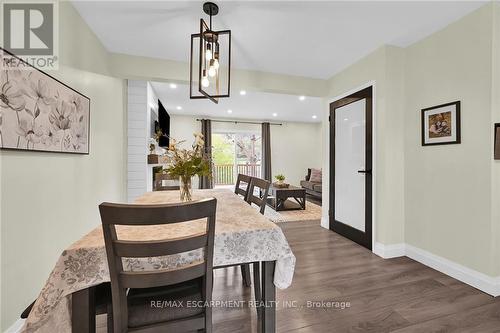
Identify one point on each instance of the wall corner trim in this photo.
(389, 251)
(481, 281)
(325, 222)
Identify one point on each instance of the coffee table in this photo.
(280, 198)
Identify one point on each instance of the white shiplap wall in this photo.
(137, 139)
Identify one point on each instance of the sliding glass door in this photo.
(235, 153)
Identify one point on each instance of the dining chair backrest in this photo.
(113, 215)
(158, 182)
(239, 190)
(260, 199)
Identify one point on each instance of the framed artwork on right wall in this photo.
(441, 124)
(497, 142)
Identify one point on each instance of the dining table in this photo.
(242, 235)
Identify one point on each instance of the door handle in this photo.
(365, 171)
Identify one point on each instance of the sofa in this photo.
(312, 188)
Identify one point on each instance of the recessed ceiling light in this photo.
(346, 119)
(179, 108)
(275, 114)
(301, 98)
(314, 116)
(243, 92)
(173, 86)
(229, 111)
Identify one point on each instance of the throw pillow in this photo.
(315, 176)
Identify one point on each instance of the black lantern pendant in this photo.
(210, 63)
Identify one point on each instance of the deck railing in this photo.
(225, 174)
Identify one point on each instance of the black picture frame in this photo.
(496, 152)
(87, 152)
(457, 124)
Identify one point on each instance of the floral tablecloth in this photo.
(241, 235)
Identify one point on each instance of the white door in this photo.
(350, 139)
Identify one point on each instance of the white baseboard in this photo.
(483, 282)
(16, 327)
(325, 222)
(389, 251)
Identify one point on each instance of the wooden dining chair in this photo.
(144, 301)
(263, 190)
(262, 187)
(158, 182)
(238, 189)
(243, 191)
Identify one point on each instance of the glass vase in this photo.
(186, 188)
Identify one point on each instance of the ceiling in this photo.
(252, 106)
(303, 38)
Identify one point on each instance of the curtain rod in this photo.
(239, 122)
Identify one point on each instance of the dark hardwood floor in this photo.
(394, 295)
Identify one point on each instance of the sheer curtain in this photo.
(206, 130)
(266, 152)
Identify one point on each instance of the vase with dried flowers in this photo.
(152, 146)
(154, 142)
(186, 163)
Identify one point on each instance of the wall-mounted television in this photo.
(164, 125)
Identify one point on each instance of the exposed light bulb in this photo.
(208, 52)
(211, 70)
(204, 82)
(301, 98)
(216, 63)
(204, 79)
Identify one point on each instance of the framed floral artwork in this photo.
(441, 124)
(39, 112)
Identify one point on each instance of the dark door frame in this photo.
(362, 238)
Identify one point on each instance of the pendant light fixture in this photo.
(210, 61)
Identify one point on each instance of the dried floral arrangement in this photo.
(186, 163)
